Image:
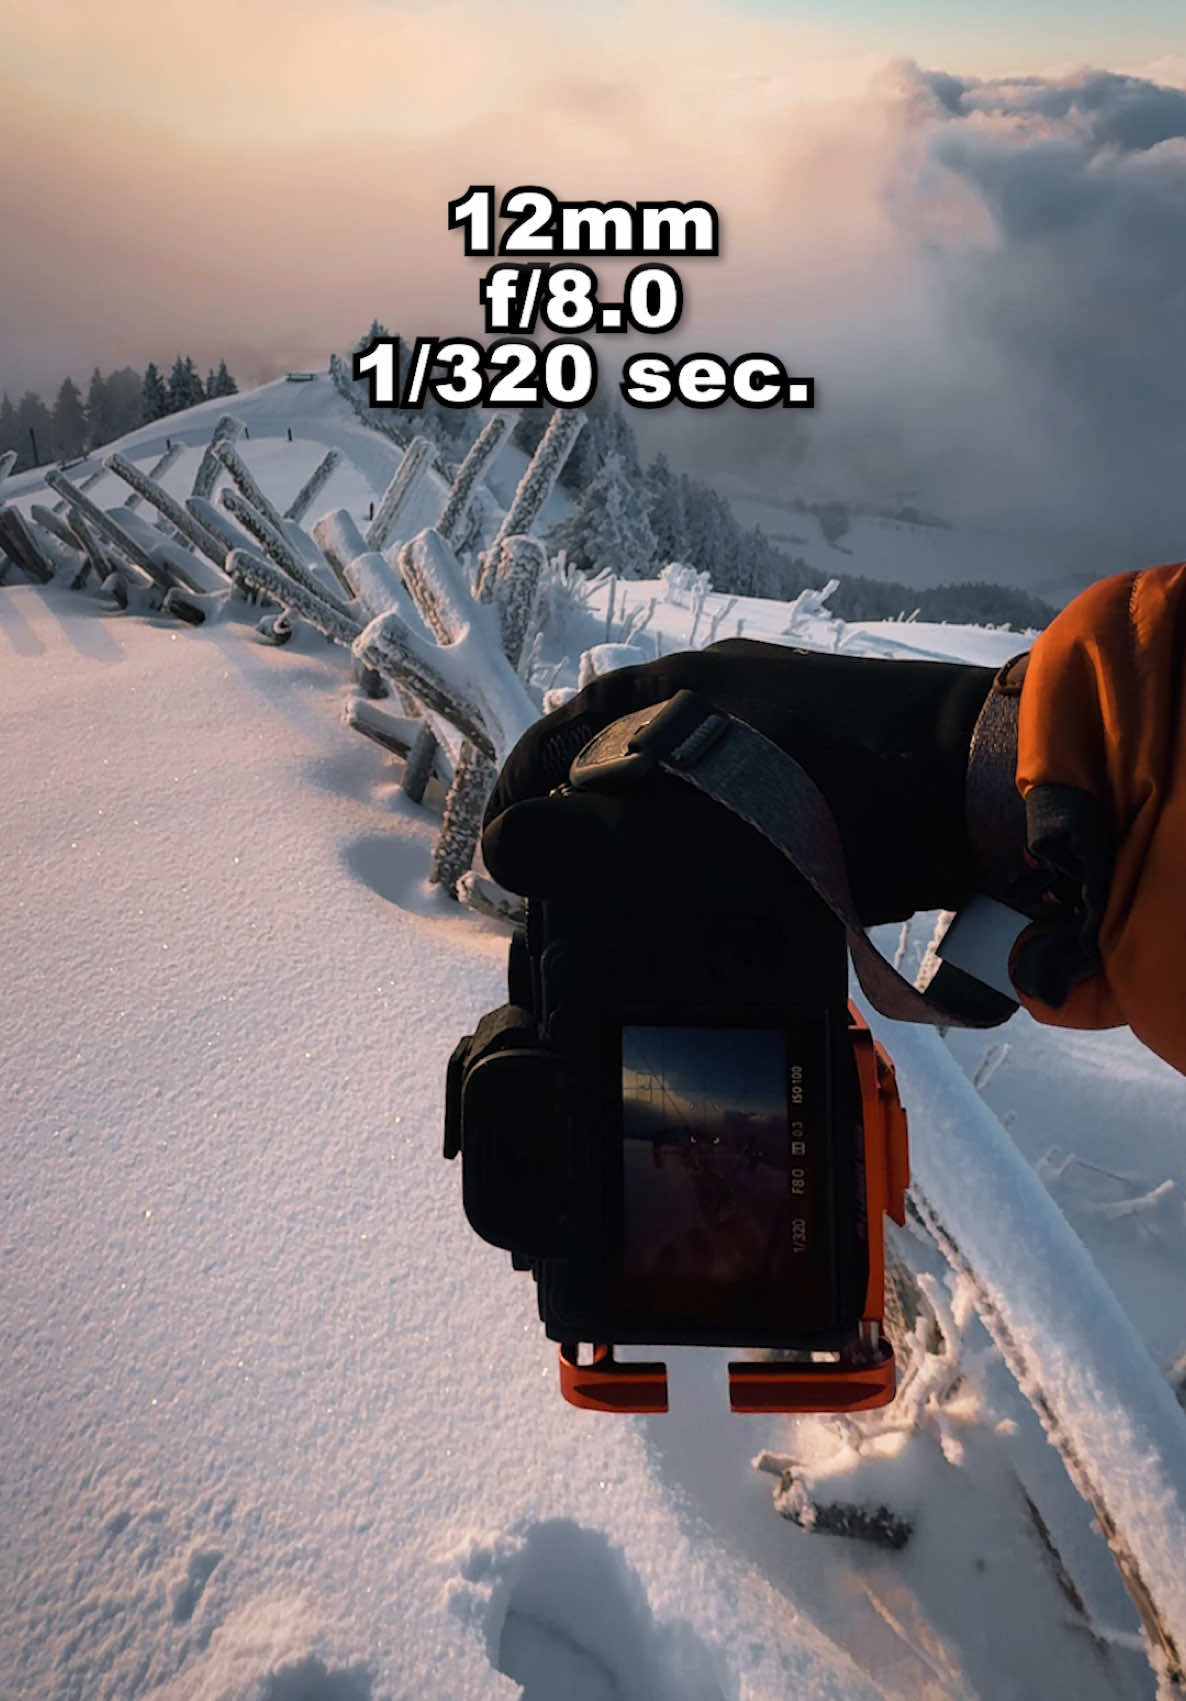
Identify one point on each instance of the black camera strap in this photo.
(739, 768)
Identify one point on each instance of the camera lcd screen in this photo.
(725, 1179)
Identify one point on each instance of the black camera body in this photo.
(680, 1128)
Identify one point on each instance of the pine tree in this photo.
(666, 511)
(69, 421)
(607, 432)
(9, 432)
(194, 387)
(124, 402)
(611, 528)
(98, 422)
(154, 396)
(224, 384)
(185, 387)
(33, 422)
(177, 386)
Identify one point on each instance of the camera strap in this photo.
(739, 768)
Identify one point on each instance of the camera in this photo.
(681, 1128)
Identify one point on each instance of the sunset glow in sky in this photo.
(970, 234)
(258, 178)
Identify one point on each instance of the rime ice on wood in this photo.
(435, 579)
(534, 488)
(185, 567)
(30, 547)
(7, 462)
(247, 568)
(378, 587)
(520, 565)
(276, 545)
(219, 525)
(228, 430)
(157, 471)
(461, 825)
(440, 676)
(246, 484)
(392, 732)
(90, 479)
(49, 521)
(399, 493)
(478, 460)
(100, 562)
(436, 584)
(340, 541)
(125, 537)
(160, 499)
(604, 658)
(313, 486)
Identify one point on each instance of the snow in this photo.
(276, 1424)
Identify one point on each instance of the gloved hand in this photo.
(885, 741)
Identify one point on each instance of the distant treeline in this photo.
(115, 404)
(635, 519)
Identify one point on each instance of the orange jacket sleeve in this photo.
(1103, 710)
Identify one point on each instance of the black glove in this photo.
(886, 742)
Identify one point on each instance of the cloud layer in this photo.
(983, 275)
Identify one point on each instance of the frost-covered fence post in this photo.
(219, 525)
(533, 489)
(108, 526)
(21, 542)
(399, 493)
(361, 573)
(437, 585)
(228, 430)
(340, 541)
(714, 627)
(478, 460)
(90, 479)
(246, 567)
(246, 484)
(312, 487)
(156, 471)
(275, 544)
(51, 522)
(181, 521)
(101, 564)
(389, 646)
(521, 564)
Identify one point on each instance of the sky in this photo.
(907, 214)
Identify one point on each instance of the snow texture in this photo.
(277, 1427)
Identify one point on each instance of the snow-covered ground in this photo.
(276, 1426)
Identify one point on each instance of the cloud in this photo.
(1062, 298)
(983, 275)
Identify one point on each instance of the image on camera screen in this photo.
(721, 1149)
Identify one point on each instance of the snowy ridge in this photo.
(279, 1426)
(1104, 1403)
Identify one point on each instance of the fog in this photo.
(984, 276)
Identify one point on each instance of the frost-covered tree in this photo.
(34, 430)
(607, 432)
(154, 396)
(221, 383)
(610, 528)
(185, 386)
(666, 511)
(69, 418)
(98, 420)
(9, 431)
(124, 401)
